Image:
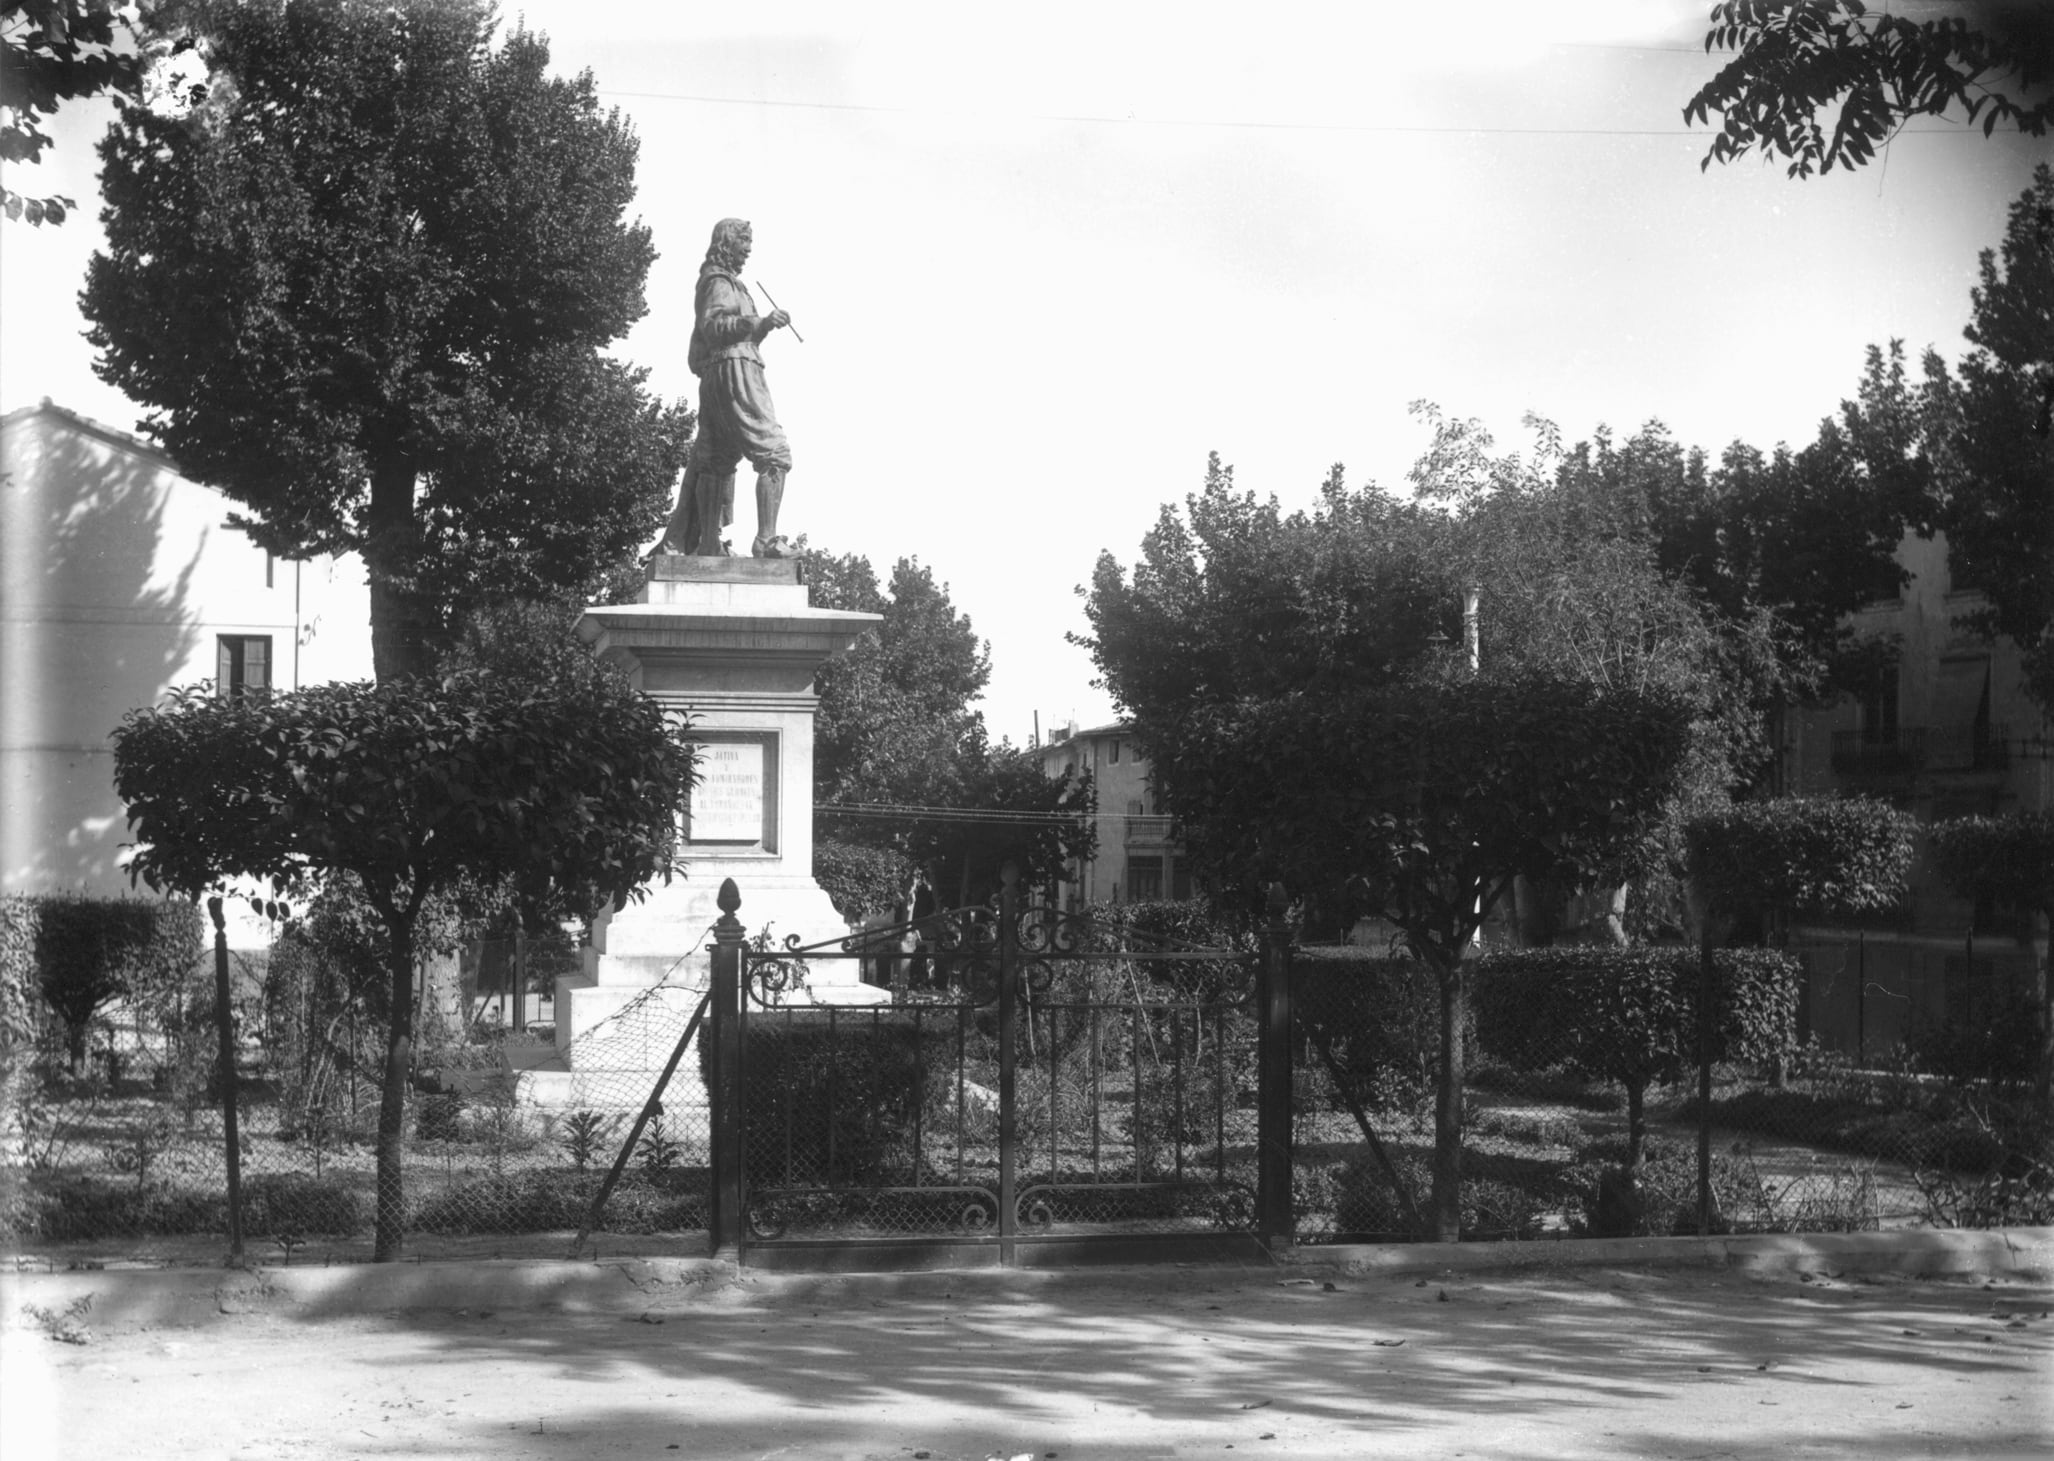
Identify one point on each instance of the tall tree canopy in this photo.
(1798, 60)
(563, 788)
(902, 759)
(1970, 452)
(1998, 510)
(365, 291)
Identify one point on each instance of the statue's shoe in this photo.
(775, 548)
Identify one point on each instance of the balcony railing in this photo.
(1909, 750)
(1900, 752)
(1142, 830)
(1967, 748)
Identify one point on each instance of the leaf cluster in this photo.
(1426, 797)
(1798, 63)
(1630, 1015)
(412, 787)
(1800, 855)
(399, 253)
(89, 951)
(51, 52)
(2008, 859)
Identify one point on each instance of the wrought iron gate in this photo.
(1019, 1088)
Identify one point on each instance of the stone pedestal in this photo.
(733, 642)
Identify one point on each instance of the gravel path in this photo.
(1113, 1365)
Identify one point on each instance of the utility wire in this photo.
(1393, 128)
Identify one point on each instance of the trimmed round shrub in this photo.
(296, 1203)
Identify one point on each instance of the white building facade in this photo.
(119, 579)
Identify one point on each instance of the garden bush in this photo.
(558, 1201)
(1631, 1015)
(294, 1203)
(88, 952)
(833, 1094)
(862, 882)
(82, 1209)
(1999, 1050)
(1355, 1200)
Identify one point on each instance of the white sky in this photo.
(1045, 259)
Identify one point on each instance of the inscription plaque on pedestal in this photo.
(728, 803)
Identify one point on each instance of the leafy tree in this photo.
(1798, 855)
(411, 787)
(1232, 597)
(862, 882)
(90, 952)
(397, 254)
(1428, 797)
(1998, 509)
(1751, 860)
(1800, 59)
(1630, 1015)
(902, 760)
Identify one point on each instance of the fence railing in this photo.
(1910, 1104)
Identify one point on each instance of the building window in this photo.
(1144, 878)
(242, 663)
(1112, 752)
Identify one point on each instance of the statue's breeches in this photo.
(737, 420)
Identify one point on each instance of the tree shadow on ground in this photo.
(1143, 1363)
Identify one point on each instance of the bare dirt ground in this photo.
(1112, 1365)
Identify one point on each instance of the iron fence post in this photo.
(1274, 1221)
(1008, 1037)
(1705, 995)
(724, 1220)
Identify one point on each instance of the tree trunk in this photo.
(391, 563)
(392, 1104)
(75, 1046)
(1447, 1196)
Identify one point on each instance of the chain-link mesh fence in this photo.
(1582, 1111)
(1851, 1089)
(1132, 1088)
(505, 1135)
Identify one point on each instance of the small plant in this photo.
(657, 1150)
(141, 1147)
(318, 1132)
(438, 1118)
(584, 1132)
(498, 1123)
(68, 1327)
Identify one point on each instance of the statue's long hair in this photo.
(725, 251)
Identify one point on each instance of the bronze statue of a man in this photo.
(736, 418)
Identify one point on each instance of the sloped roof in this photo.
(86, 425)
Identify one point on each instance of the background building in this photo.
(1949, 732)
(120, 579)
(1139, 856)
